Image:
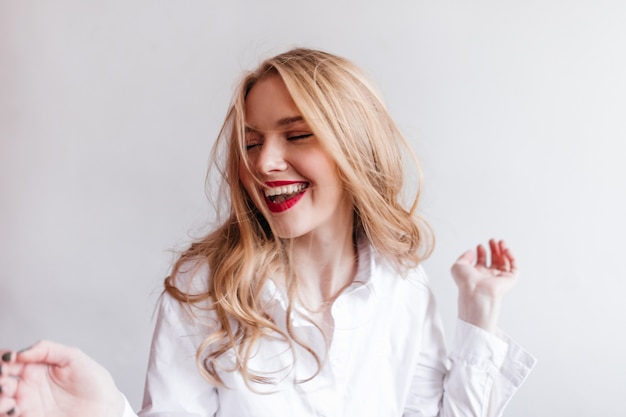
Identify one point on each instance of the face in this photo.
(297, 179)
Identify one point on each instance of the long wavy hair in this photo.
(351, 121)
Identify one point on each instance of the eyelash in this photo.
(295, 137)
(301, 136)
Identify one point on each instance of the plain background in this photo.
(108, 110)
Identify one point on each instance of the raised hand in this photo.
(482, 285)
(52, 380)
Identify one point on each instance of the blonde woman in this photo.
(309, 298)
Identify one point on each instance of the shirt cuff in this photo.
(480, 348)
(128, 410)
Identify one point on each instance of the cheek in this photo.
(321, 163)
(331, 181)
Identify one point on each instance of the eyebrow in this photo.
(285, 121)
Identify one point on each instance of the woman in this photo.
(309, 298)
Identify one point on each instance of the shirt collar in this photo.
(274, 297)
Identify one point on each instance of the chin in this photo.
(287, 232)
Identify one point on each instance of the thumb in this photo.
(468, 257)
(47, 352)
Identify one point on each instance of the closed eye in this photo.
(299, 136)
(253, 139)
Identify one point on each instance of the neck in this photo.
(325, 265)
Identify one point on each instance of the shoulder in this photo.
(408, 288)
(405, 296)
(383, 270)
(191, 277)
(186, 291)
(418, 278)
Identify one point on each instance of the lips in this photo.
(283, 195)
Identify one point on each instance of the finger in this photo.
(467, 257)
(503, 246)
(12, 369)
(46, 352)
(500, 259)
(8, 364)
(481, 259)
(8, 386)
(511, 259)
(7, 406)
(7, 355)
(496, 253)
(504, 259)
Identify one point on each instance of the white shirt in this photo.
(387, 358)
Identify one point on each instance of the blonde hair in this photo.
(352, 123)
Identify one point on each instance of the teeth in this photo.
(285, 189)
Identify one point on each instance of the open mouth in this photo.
(284, 197)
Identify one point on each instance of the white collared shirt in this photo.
(387, 358)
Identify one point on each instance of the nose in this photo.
(271, 157)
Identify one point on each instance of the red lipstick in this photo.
(284, 205)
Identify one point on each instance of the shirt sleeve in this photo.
(174, 386)
(128, 410)
(486, 370)
(477, 379)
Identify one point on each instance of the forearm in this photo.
(480, 310)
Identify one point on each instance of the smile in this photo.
(282, 196)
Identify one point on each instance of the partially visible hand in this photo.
(52, 380)
(481, 285)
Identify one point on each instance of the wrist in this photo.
(481, 311)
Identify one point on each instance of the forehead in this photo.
(269, 106)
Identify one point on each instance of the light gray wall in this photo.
(108, 110)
